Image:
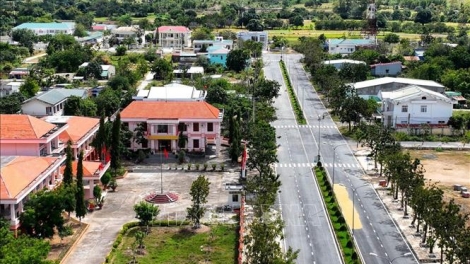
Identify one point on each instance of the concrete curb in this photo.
(72, 248)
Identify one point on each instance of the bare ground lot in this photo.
(447, 168)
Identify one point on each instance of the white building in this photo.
(414, 105)
(173, 37)
(189, 73)
(50, 102)
(41, 29)
(388, 84)
(9, 88)
(348, 46)
(171, 92)
(338, 64)
(125, 32)
(257, 36)
(218, 41)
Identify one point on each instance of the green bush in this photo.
(299, 115)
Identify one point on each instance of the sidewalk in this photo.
(434, 145)
(148, 78)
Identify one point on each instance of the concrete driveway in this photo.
(105, 224)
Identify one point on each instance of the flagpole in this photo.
(161, 173)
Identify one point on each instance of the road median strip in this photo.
(337, 219)
(299, 114)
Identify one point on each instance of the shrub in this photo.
(198, 166)
(205, 166)
(189, 167)
(214, 166)
(222, 166)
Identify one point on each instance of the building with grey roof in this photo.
(388, 84)
(50, 102)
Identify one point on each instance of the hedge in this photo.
(299, 114)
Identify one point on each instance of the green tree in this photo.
(116, 144)
(93, 70)
(121, 50)
(255, 25)
(139, 134)
(146, 212)
(262, 243)
(25, 37)
(29, 88)
(392, 38)
(68, 171)
(43, 214)
(237, 60)
(80, 207)
(423, 16)
(162, 70)
(80, 31)
(107, 102)
(21, 249)
(296, 21)
(216, 95)
(11, 104)
(199, 192)
(182, 140)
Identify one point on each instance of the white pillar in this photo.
(217, 145)
(12, 214)
(91, 184)
(75, 153)
(49, 147)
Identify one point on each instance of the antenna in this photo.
(371, 28)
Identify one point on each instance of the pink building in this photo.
(24, 135)
(22, 175)
(173, 37)
(163, 121)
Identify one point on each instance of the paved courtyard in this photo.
(105, 224)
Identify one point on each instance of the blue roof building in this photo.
(53, 28)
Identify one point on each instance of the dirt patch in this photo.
(346, 204)
(59, 247)
(447, 168)
(201, 229)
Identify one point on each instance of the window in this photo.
(423, 98)
(196, 127)
(387, 71)
(162, 129)
(235, 198)
(441, 122)
(424, 108)
(195, 143)
(404, 109)
(210, 127)
(404, 122)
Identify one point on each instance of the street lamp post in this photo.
(282, 50)
(334, 159)
(391, 261)
(320, 118)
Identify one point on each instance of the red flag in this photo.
(165, 153)
(103, 149)
(244, 158)
(108, 157)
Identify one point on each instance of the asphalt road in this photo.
(378, 235)
(306, 222)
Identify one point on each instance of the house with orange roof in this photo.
(80, 131)
(92, 173)
(22, 175)
(163, 122)
(24, 135)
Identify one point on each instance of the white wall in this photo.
(436, 111)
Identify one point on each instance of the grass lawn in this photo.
(217, 243)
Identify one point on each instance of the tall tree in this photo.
(68, 171)
(146, 212)
(139, 134)
(235, 141)
(237, 60)
(116, 144)
(80, 208)
(199, 192)
(99, 142)
(262, 243)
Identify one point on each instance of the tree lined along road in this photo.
(378, 235)
(306, 222)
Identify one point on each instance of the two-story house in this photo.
(173, 37)
(80, 131)
(415, 105)
(22, 175)
(199, 121)
(256, 36)
(50, 102)
(125, 32)
(24, 135)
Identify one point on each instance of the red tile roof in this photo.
(19, 173)
(89, 168)
(177, 29)
(23, 127)
(170, 110)
(79, 127)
